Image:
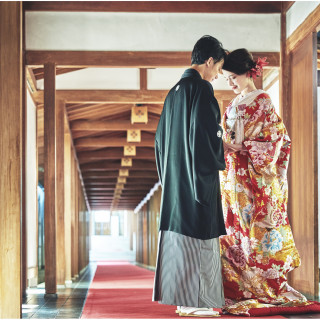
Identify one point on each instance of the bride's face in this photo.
(236, 82)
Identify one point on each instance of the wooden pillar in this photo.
(73, 216)
(24, 259)
(284, 73)
(60, 245)
(76, 229)
(259, 82)
(10, 151)
(50, 178)
(24, 250)
(67, 204)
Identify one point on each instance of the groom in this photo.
(189, 154)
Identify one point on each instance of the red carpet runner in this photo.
(121, 290)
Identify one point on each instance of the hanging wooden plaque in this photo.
(129, 150)
(126, 162)
(139, 114)
(134, 136)
(122, 180)
(123, 172)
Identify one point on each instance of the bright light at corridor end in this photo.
(147, 197)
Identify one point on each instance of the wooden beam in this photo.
(115, 165)
(102, 193)
(157, 6)
(38, 72)
(124, 59)
(120, 96)
(113, 125)
(112, 142)
(108, 96)
(113, 186)
(129, 196)
(11, 158)
(115, 174)
(106, 110)
(113, 182)
(110, 191)
(114, 153)
(50, 178)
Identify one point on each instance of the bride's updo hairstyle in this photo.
(239, 61)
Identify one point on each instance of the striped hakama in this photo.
(188, 272)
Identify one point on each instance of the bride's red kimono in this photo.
(258, 250)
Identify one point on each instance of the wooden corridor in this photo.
(95, 148)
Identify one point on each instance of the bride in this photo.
(258, 250)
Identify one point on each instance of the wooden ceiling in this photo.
(99, 119)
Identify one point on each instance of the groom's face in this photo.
(212, 69)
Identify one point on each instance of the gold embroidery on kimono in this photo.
(258, 250)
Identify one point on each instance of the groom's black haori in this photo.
(189, 154)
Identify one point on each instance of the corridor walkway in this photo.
(68, 305)
(120, 290)
(113, 286)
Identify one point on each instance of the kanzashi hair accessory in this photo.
(257, 70)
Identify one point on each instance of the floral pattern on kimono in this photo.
(258, 250)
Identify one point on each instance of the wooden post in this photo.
(50, 178)
(284, 73)
(60, 245)
(73, 215)
(259, 82)
(24, 259)
(10, 151)
(76, 229)
(67, 204)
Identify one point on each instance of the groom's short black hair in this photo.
(206, 47)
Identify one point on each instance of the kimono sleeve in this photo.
(206, 146)
(266, 147)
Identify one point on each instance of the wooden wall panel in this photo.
(147, 230)
(10, 151)
(83, 231)
(77, 216)
(145, 235)
(139, 237)
(154, 214)
(303, 183)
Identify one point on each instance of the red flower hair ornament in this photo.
(257, 70)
